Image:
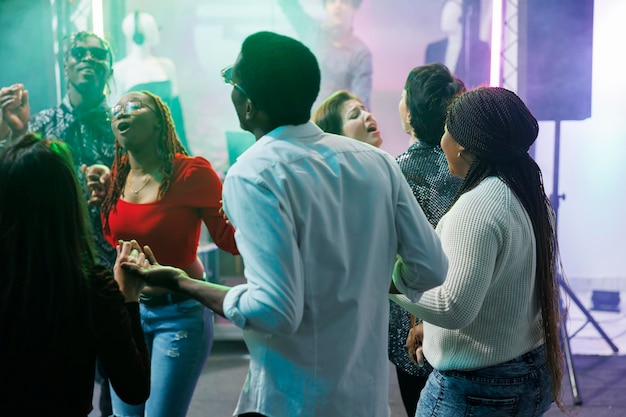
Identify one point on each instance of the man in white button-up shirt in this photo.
(319, 221)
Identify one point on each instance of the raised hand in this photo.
(98, 179)
(15, 108)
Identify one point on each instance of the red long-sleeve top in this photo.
(171, 225)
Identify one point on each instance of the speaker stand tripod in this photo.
(565, 338)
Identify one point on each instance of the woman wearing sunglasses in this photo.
(160, 196)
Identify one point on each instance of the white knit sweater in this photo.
(486, 311)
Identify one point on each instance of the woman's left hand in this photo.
(414, 344)
(130, 285)
(98, 180)
(151, 272)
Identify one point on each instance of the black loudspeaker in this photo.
(559, 44)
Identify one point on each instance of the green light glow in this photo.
(97, 17)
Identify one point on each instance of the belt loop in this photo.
(170, 299)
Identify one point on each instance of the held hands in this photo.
(98, 179)
(15, 108)
(130, 285)
(150, 271)
(414, 344)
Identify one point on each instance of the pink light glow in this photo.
(496, 42)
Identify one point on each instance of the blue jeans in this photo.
(179, 338)
(517, 388)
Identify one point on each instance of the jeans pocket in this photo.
(492, 407)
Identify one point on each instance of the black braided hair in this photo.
(495, 126)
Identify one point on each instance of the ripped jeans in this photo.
(179, 338)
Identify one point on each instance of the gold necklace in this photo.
(145, 182)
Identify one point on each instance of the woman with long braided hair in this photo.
(491, 330)
(160, 196)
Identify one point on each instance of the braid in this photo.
(119, 172)
(497, 128)
(169, 145)
(526, 182)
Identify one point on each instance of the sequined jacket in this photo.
(426, 170)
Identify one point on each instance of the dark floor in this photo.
(601, 382)
(600, 374)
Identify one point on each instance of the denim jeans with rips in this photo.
(179, 338)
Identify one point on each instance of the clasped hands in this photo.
(138, 263)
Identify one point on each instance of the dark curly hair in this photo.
(429, 91)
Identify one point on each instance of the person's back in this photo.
(339, 199)
(427, 93)
(500, 238)
(58, 308)
(58, 380)
(319, 220)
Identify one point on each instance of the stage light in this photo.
(496, 43)
(97, 17)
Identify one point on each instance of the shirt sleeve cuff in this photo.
(231, 305)
(397, 276)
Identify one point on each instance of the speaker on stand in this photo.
(555, 67)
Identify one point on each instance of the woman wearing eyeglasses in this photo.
(160, 196)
